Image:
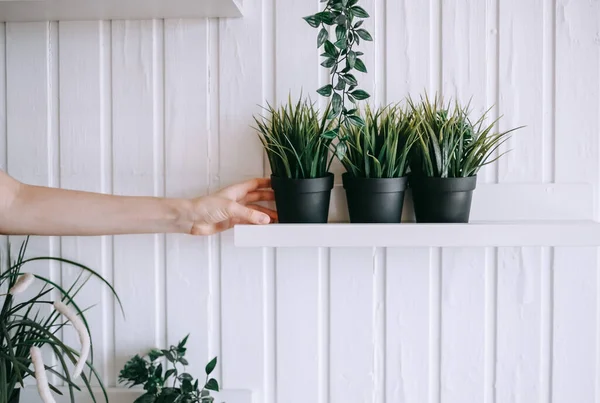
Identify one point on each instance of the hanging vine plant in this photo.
(342, 59)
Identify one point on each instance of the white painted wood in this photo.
(577, 82)
(352, 312)
(69, 10)
(520, 60)
(532, 233)
(187, 175)
(31, 129)
(462, 325)
(519, 326)
(575, 323)
(531, 335)
(30, 395)
(242, 88)
(408, 359)
(297, 285)
(137, 168)
(83, 137)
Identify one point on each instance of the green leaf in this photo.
(330, 134)
(187, 386)
(350, 79)
(168, 355)
(170, 373)
(326, 17)
(340, 33)
(360, 94)
(336, 103)
(210, 367)
(358, 24)
(154, 354)
(341, 85)
(312, 20)
(325, 90)
(322, 37)
(328, 63)
(364, 34)
(359, 12)
(360, 66)
(212, 384)
(351, 59)
(356, 120)
(341, 20)
(330, 50)
(352, 2)
(184, 361)
(341, 44)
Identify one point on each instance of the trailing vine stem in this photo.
(341, 58)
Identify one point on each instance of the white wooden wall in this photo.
(164, 108)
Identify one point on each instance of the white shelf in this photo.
(477, 234)
(70, 10)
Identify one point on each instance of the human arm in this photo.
(35, 210)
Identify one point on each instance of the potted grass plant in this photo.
(450, 151)
(25, 330)
(376, 161)
(298, 153)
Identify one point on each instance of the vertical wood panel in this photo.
(31, 130)
(352, 310)
(407, 325)
(137, 134)
(297, 324)
(408, 57)
(187, 175)
(575, 316)
(462, 329)
(298, 70)
(575, 325)
(519, 331)
(82, 140)
(521, 58)
(464, 52)
(241, 89)
(577, 90)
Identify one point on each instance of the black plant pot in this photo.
(442, 200)
(302, 201)
(374, 200)
(15, 396)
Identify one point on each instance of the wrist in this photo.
(181, 215)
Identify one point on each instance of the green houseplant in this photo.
(450, 151)
(376, 162)
(298, 153)
(25, 329)
(171, 385)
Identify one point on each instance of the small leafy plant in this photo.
(341, 58)
(450, 145)
(149, 371)
(380, 148)
(291, 136)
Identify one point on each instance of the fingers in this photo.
(239, 191)
(268, 211)
(250, 215)
(258, 196)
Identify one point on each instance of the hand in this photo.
(233, 205)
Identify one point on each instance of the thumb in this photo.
(246, 214)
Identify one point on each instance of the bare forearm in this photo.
(47, 211)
